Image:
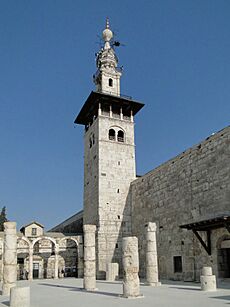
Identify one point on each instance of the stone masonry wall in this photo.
(191, 187)
(116, 171)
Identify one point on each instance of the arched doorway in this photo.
(223, 257)
(43, 249)
(68, 249)
(23, 245)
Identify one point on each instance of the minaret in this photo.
(107, 77)
(109, 157)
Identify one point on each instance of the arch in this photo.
(120, 136)
(110, 82)
(69, 238)
(44, 238)
(112, 135)
(26, 240)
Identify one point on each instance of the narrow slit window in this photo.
(110, 82)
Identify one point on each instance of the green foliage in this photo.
(3, 218)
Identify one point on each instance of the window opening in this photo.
(120, 136)
(112, 135)
(34, 231)
(110, 82)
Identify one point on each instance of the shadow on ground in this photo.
(226, 297)
(181, 288)
(81, 290)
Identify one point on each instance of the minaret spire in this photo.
(107, 23)
(107, 77)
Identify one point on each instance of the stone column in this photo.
(112, 271)
(9, 257)
(2, 263)
(56, 262)
(130, 261)
(89, 258)
(151, 255)
(30, 273)
(207, 280)
(80, 262)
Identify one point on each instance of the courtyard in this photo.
(68, 292)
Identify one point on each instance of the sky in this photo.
(176, 61)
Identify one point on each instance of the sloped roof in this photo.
(34, 222)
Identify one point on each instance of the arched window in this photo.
(112, 135)
(120, 136)
(110, 82)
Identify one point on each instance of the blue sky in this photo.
(176, 61)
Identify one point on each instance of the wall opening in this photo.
(177, 262)
(112, 135)
(223, 259)
(120, 136)
(110, 82)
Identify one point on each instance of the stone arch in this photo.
(44, 238)
(69, 238)
(25, 240)
(22, 257)
(70, 255)
(116, 133)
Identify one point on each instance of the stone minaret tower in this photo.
(109, 160)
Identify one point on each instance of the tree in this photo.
(3, 218)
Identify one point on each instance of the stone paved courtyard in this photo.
(68, 293)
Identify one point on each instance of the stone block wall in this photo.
(193, 186)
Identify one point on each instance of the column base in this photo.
(153, 284)
(131, 297)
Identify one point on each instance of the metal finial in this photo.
(107, 22)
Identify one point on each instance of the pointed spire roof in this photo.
(106, 57)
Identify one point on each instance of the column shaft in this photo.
(9, 257)
(89, 258)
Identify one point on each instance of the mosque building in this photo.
(188, 197)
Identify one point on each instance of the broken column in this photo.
(89, 258)
(9, 257)
(151, 256)
(112, 271)
(130, 261)
(208, 281)
(20, 297)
